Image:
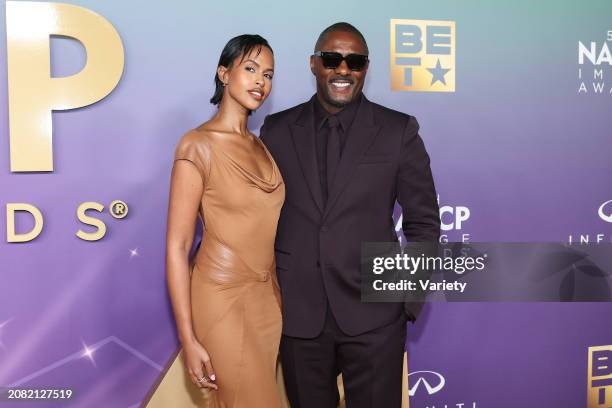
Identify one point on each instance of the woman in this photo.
(227, 302)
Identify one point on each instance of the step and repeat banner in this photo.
(514, 101)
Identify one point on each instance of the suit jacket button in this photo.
(324, 228)
(318, 264)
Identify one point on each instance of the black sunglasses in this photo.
(332, 60)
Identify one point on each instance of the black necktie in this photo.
(333, 150)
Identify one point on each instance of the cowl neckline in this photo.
(268, 185)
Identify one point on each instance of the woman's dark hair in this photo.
(240, 46)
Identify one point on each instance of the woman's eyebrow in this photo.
(250, 60)
(254, 62)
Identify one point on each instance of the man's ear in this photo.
(312, 64)
(223, 74)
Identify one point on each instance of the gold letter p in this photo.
(33, 93)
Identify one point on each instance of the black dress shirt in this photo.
(345, 118)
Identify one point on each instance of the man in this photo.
(345, 161)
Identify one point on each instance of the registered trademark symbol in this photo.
(118, 209)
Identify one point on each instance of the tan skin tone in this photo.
(333, 98)
(248, 84)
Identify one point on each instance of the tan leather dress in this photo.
(235, 297)
(235, 307)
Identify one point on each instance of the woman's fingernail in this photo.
(212, 377)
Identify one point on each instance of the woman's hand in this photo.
(198, 365)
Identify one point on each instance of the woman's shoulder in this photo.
(195, 142)
(194, 146)
(197, 136)
(208, 135)
(205, 139)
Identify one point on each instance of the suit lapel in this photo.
(362, 133)
(303, 135)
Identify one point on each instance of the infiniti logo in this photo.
(427, 378)
(602, 215)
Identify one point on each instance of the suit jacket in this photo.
(318, 247)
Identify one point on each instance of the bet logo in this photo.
(422, 55)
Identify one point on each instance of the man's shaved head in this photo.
(341, 26)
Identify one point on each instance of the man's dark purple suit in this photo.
(318, 246)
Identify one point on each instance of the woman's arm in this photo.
(186, 190)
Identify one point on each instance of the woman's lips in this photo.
(256, 94)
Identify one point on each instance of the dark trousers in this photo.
(371, 365)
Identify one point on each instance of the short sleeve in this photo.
(194, 148)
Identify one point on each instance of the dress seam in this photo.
(241, 365)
